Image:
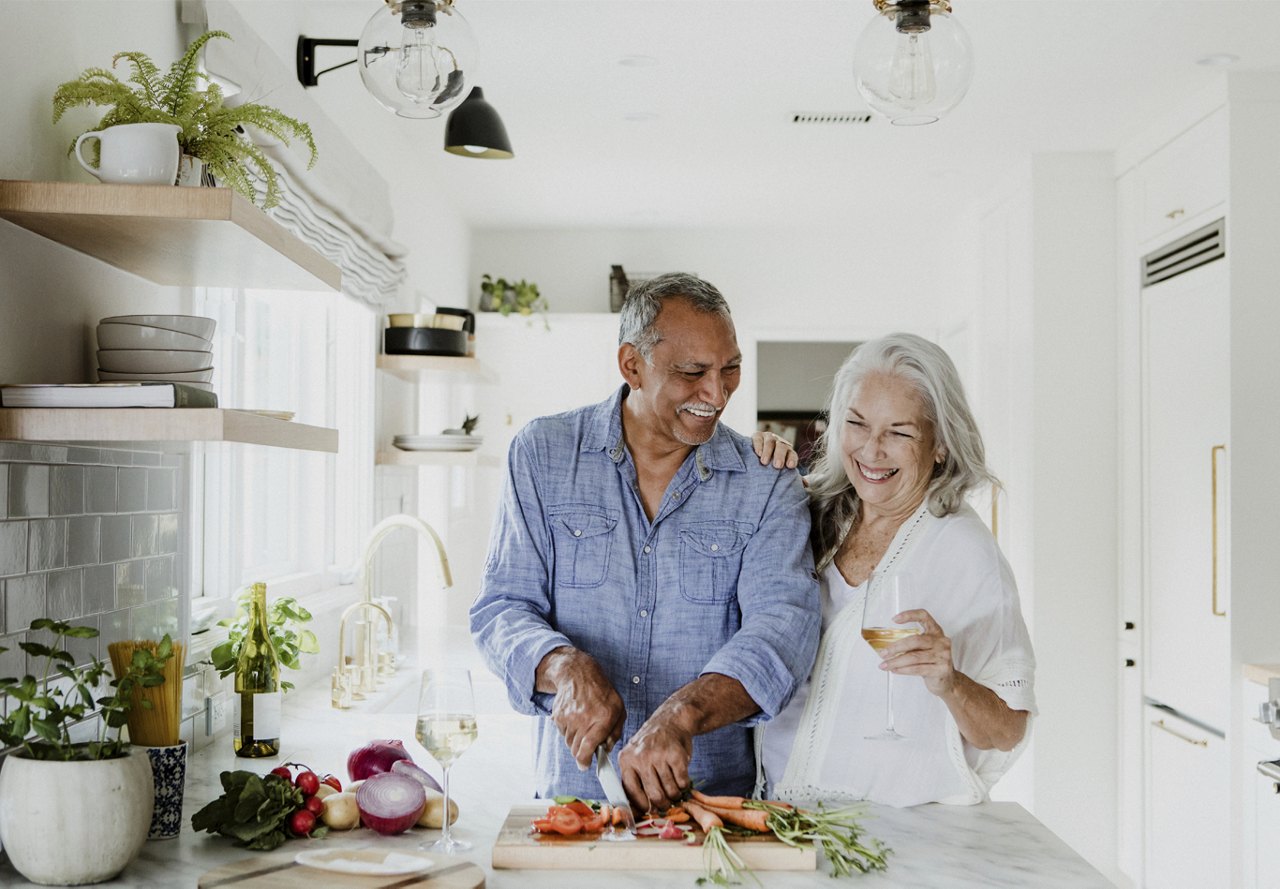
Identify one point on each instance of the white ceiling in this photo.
(718, 148)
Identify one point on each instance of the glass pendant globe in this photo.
(417, 57)
(912, 75)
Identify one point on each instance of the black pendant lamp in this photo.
(474, 129)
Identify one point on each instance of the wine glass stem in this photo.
(888, 708)
(444, 830)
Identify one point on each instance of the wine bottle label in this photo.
(260, 720)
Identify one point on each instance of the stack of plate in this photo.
(162, 348)
(437, 442)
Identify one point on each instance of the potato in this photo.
(340, 811)
(325, 790)
(433, 814)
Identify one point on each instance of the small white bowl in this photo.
(138, 336)
(194, 376)
(191, 324)
(149, 361)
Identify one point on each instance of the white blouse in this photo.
(817, 749)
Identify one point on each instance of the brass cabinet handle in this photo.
(1199, 742)
(1213, 487)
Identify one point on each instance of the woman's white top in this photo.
(817, 748)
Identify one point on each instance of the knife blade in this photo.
(616, 796)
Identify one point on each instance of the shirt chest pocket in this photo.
(711, 559)
(583, 536)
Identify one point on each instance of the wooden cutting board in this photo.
(278, 870)
(517, 847)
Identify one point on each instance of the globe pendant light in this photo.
(913, 63)
(417, 57)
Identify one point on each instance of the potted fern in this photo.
(210, 131)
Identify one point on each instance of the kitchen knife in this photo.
(616, 796)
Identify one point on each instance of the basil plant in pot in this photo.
(73, 811)
(209, 130)
(290, 639)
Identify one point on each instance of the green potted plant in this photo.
(290, 639)
(50, 778)
(210, 131)
(504, 297)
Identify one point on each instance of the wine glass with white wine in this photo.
(446, 728)
(885, 595)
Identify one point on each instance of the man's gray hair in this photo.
(645, 300)
(930, 371)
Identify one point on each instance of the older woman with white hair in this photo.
(887, 495)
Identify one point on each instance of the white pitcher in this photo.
(140, 153)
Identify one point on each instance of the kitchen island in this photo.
(991, 845)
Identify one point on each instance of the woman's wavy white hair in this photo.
(833, 501)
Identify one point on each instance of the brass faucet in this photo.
(355, 677)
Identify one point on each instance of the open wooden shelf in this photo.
(192, 237)
(161, 424)
(395, 457)
(409, 367)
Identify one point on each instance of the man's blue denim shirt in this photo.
(721, 581)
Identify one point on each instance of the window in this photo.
(290, 518)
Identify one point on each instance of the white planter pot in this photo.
(71, 823)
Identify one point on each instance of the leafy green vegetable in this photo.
(252, 810)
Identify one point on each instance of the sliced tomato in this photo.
(564, 820)
(593, 824)
(579, 808)
(543, 825)
(617, 816)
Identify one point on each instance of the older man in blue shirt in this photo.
(648, 580)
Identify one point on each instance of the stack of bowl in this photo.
(442, 333)
(162, 348)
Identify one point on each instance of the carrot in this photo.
(720, 802)
(706, 819)
(751, 819)
(677, 815)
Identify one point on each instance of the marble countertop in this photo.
(991, 845)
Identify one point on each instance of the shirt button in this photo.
(577, 533)
(644, 612)
(635, 680)
(676, 495)
(648, 549)
(715, 547)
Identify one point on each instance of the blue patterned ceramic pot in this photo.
(169, 771)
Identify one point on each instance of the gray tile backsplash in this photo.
(93, 536)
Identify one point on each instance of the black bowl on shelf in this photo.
(424, 341)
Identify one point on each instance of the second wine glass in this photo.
(885, 597)
(446, 728)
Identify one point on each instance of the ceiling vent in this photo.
(1202, 246)
(831, 117)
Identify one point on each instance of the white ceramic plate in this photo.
(364, 861)
(436, 445)
(196, 376)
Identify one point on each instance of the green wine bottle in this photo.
(257, 715)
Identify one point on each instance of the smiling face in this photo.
(677, 396)
(887, 446)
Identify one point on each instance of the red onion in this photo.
(374, 758)
(413, 770)
(390, 803)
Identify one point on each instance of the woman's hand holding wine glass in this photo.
(446, 728)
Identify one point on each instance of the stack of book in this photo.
(138, 394)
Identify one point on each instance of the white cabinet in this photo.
(1187, 805)
(1187, 414)
(1184, 180)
